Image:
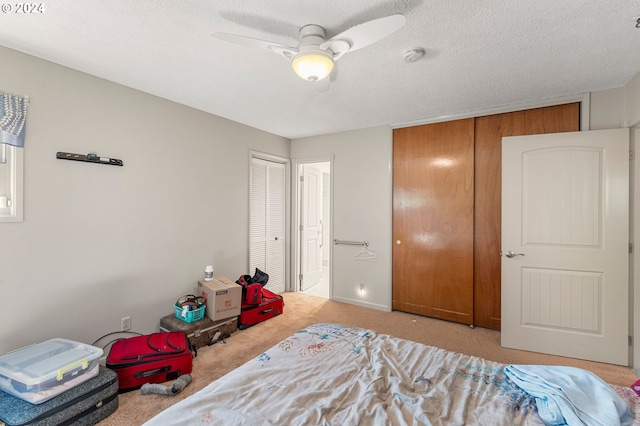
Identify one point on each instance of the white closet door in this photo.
(267, 222)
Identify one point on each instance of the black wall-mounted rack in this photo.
(89, 158)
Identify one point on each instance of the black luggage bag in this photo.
(85, 404)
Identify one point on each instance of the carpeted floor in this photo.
(301, 310)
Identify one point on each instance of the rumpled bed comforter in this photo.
(330, 374)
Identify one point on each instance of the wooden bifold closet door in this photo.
(447, 212)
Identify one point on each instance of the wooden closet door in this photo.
(489, 132)
(433, 185)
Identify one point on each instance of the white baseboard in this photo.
(362, 303)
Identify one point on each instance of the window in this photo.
(13, 114)
(11, 183)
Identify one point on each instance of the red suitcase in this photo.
(272, 304)
(151, 358)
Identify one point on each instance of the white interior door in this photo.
(311, 231)
(565, 243)
(267, 222)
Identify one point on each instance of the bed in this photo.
(331, 374)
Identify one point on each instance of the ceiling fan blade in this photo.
(286, 51)
(363, 35)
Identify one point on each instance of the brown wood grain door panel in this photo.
(487, 223)
(489, 132)
(433, 203)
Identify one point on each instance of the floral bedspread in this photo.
(330, 374)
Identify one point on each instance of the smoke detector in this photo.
(413, 55)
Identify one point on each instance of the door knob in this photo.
(511, 254)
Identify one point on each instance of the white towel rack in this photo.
(365, 253)
(351, 243)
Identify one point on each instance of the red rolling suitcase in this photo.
(151, 358)
(272, 304)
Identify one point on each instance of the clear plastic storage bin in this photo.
(39, 372)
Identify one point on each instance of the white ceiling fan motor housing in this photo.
(311, 36)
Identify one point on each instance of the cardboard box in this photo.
(223, 297)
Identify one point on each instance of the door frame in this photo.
(287, 209)
(634, 237)
(296, 172)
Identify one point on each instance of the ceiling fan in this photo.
(314, 57)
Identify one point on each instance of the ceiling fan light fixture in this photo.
(312, 66)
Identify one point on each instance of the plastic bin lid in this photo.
(43, 361)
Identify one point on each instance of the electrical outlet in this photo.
(125, 324)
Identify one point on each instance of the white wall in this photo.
(632, 102)
(102, 242)
(616, 108)
(607, 109)
(362, 207)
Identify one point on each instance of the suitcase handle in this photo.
(142, 374)
(266, 311)
(168, 342)
(158, 351)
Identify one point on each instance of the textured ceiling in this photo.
(480, 54)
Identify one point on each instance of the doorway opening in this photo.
(312, 272)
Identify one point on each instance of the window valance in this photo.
(13, 115)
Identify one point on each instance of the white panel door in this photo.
(267, 222)
(311, 220)
(565, 242)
